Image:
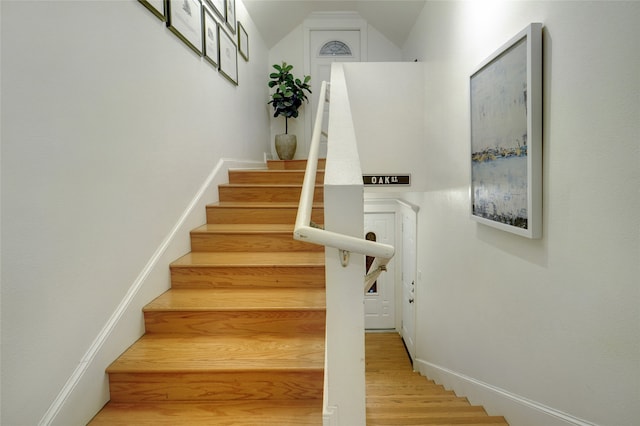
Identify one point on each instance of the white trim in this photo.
(519, 407)
(330, 416)
(216, 177)
(393, 206)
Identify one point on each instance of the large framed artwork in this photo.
(506, 136)
(185, 21)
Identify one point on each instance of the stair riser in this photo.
(235, 215)
(270, 177)
(428, 412)
(249, 242)
(236, 322)
(293, 164)
(436, 421)
(244, 385)
(265, 193)
(236, 413)
(277, 276)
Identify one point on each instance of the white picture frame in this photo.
(506, 136)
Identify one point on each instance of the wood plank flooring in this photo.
(397, 396)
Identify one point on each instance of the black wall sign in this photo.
(386, 180)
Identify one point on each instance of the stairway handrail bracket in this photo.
(304, 231)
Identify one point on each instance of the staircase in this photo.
(398, 396)
(239, 337)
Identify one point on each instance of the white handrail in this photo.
(303, 230)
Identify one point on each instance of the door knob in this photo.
(410, 300)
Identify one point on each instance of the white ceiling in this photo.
(276, 18)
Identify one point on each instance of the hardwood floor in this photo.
(398, 396)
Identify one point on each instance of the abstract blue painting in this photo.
(501, 143)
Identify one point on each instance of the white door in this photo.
(327, 47)
(379, 302)
(409, 280)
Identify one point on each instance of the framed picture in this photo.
(243, 42)
(156, 7)
(506, 136)
(219, 8)
(210, 35)
(231, 15)
(228, 64)
(185, 21)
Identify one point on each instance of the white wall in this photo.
(387, 103)
(291, 49)
(544, 331)
(110, 126)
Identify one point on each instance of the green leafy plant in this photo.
(289, 94)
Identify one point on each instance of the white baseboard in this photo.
(518, 410)
(93, 387)
(330, 416)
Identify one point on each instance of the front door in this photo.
(379, 302)
(327, 47)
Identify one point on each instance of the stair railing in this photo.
(344, 400)
(306, 230)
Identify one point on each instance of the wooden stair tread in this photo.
(267, 174)
(424, 412)
(264, 185)
(248, 259)
(440, 398)
(292, 164)
(239, 299)
(439, 421)
(245, 228)
(260, 205)
(219, 413)
(206, 354)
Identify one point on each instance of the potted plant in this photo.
(286, 100)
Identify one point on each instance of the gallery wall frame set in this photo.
(202, 28)
(506, 136)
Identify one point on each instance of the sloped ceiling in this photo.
(276, 18)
